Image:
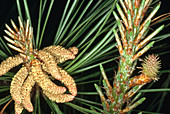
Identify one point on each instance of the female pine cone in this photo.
(151, 66)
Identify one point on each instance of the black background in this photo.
(8, 10)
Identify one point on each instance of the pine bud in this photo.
(17, 81)
(49, 61)
(25, 91)
(59, 98)
(9, 63)
(74, 50)
(61, 54)
(18, 108)
(43, 81)
(68, 82)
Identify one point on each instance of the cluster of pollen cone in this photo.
(38, 67)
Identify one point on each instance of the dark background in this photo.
(8, 10)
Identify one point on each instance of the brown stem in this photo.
(5, 106)
(160, 18)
